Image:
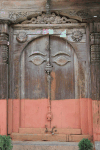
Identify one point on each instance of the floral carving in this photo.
(49, 19)
(83, 13)
(16, 15)
(21, 37)
(77, 36)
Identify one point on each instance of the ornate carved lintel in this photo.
(49, 19)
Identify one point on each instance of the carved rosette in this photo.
(77, 36)
(4, 42)
(21, 37)
(83, 13)
(16, 15)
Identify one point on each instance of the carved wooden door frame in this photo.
(71, 32)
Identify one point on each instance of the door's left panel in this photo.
(26, 109)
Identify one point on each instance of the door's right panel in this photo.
(65, 108)
(62, 59)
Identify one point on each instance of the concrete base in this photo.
(30, 145)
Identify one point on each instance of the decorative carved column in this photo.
(95, 65)
(4, 48)
(95, 47)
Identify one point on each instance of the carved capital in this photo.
(4, 42)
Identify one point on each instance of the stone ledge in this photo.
(48, 137)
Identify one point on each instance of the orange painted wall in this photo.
(86, 116)
(3, 117)
(33, 113)
(96, 120)
(66, 113)
(80, 113)
(70, 113)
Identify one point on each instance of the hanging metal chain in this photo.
(48, 70)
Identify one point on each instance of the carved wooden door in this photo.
(34, 86)
(47, 78)
(62, 81)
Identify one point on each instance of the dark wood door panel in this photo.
(34, 83)
(62, 59)
(33, 77)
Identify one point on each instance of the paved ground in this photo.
(44, 145)
(47, 143)
(97, 145)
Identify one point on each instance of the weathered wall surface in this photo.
(75, 8)
(79, 9)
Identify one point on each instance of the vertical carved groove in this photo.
(48, 6)
(4, 38)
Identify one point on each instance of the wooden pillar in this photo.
(4, 43)
(95, 76)
(4, 48)
(95, 60)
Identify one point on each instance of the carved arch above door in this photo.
(73, 33)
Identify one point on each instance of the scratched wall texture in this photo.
(84, 9)
(89, 76)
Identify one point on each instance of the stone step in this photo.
(28, 145)
(55, 130)
(48, 137)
